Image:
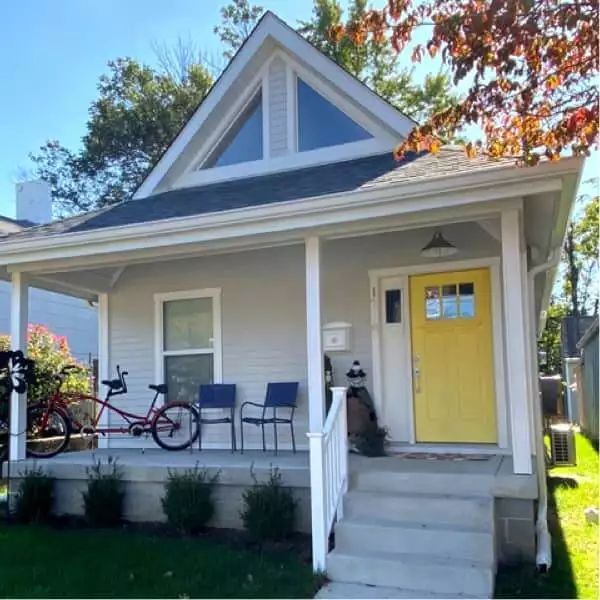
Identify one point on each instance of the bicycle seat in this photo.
(161, 388)
(113, 384)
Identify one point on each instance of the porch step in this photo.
(423, 574)
(432, 539)
(436, 482)
(428, 510)
(344, 591)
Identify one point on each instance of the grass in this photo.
(40, 562)
(575, 557)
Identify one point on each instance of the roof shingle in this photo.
(309, 182)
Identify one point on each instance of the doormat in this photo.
(444, 456)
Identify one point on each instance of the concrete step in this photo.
(343, 591)
(428, 510)
(423, 574)
(398, 482)
(376, 534)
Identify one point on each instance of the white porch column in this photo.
(515, 294)
(19, 317)
(103, 361)
(314, 346)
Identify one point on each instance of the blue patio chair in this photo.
(279, 395)
(217, 395)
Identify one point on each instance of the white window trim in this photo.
(217, 347)
(383, 140)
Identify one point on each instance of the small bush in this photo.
(372, 440)
(103, 500)
(269, 509)
(188, 503)
(35, 497)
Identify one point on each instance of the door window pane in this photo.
(322, 124)
(188, 324)
(449, 301)
(393, 312)
(432, 303)
(466, 304)
(183, 375)
(244, 141)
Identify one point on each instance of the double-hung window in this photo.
(188, 333)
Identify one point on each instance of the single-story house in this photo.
(277, 227)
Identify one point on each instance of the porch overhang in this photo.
(102, 253)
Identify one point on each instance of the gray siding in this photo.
(263, 313)
(278, 108)
(62, 315)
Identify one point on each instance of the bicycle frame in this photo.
(61, 401)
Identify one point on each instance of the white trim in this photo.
(116, 276)
(19, 318)
(493, 263)
(217, 344)
(515, 333)
(314, 342)
(272, 28)
(419, 196)
(279, 164)
(492, 450)
(103, 360)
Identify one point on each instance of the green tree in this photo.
(576, 292)
(238, 19)
(372, 59)
(139, 111)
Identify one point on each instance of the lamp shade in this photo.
(438, 247)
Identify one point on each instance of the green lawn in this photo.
(42, 563)
(574, 572)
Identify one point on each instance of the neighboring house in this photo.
(62, 314)
(279, 212)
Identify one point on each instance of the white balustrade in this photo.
(328, 475)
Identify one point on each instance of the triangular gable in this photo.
(268, 85)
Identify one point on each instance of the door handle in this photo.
(417, 373)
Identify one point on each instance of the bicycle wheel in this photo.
(175, 426)
(48, 431)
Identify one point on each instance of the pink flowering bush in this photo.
(50, 353)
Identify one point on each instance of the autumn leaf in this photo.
(532, 68)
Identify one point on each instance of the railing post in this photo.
(341, 393)
(320, 535)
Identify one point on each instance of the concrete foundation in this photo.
(145, 474)
(515, 530)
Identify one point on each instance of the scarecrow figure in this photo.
(361, 410)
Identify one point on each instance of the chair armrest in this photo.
(251, 403)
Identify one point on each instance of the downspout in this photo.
(543, 557)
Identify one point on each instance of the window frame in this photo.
(159, 350)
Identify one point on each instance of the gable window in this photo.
(321, 124)
(188, 337)
(244, 141)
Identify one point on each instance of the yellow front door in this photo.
(453, 373)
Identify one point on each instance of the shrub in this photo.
(372, 440)
(269, 509)
(188, 503)
(50, 353)
(35, 496)
(105, 494)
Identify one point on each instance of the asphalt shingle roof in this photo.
(323, 180)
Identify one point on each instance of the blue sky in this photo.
(52, 53)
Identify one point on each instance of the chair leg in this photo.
(293, 438)
(275, 435)
(263, 437)
(241, 435)
(233, 448)
(199, 430)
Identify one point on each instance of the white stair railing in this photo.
(328, 475)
